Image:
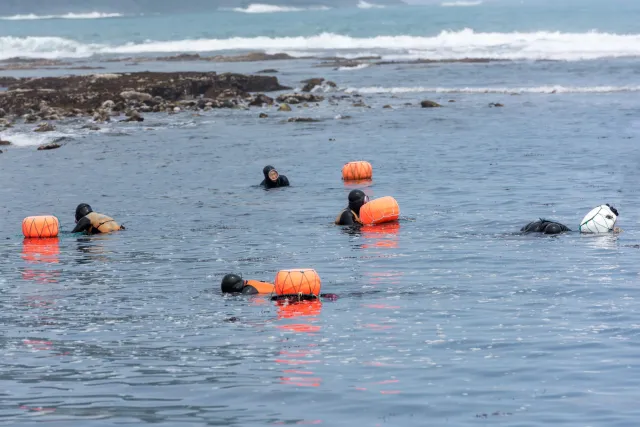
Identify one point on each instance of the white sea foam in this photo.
(28, 139)
(448, 45)
(89, 15)
(356, 67)
(269, 8)
(496, 90)
(366, 5)
(461, 3)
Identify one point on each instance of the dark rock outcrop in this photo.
(104, 95)
(429, 104)
(299, 98)
(495, 104)
(4, 142)
(309, 84)
(263, 115)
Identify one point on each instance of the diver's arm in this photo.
(264, 183)
(249, 290)
(283, 181)
(83, 225)
(346, 218)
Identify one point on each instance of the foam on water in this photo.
(504, 90)
(270, 8)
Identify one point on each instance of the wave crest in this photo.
(448, 45)
(496, 90)
(366, 5)
(90, 15)
(461, 3)
(269, 8)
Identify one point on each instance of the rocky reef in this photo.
(103, 96)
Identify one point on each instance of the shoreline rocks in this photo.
(103, 96)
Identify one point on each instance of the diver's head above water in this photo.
(357, 199)
(82, 210)
(600, 219)
(270, 173)
(232, 283)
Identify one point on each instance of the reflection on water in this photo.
(381, 236)
(299, 362)
(36, 252)
(92, 249)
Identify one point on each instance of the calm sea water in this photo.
(449, 318)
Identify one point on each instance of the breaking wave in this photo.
(448, 45)
(268, 8)
(90, 15)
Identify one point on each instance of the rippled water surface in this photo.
(449, 318)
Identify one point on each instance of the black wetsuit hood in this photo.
(83, 210)
(282, 180)
(357, 199)
(231, 283)
(545, 226)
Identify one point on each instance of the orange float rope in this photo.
(353, 171)
(40, 226)
(299, 283)
(379, 211)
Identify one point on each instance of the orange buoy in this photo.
(357, 170)
(40, 226)
(297, 282)
(261, 287)
(379, 211)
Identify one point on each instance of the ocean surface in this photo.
(449, 318)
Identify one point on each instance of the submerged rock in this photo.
(50, 146)
(495, 104)
(268, 71)
(4, 142)
(45, 127)
(299, 98)
(429, 104)
(90, 127)
(134, 116)
(284, 107)
(302, 119)
(387, 106)
(263, 115)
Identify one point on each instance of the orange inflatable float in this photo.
(379, 211)
(40, 226)
(357, 170)
(303, 282)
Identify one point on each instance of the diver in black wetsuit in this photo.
(273, 179)
(91, 222)
(234, 284)
(351, 214)
(545, 226)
